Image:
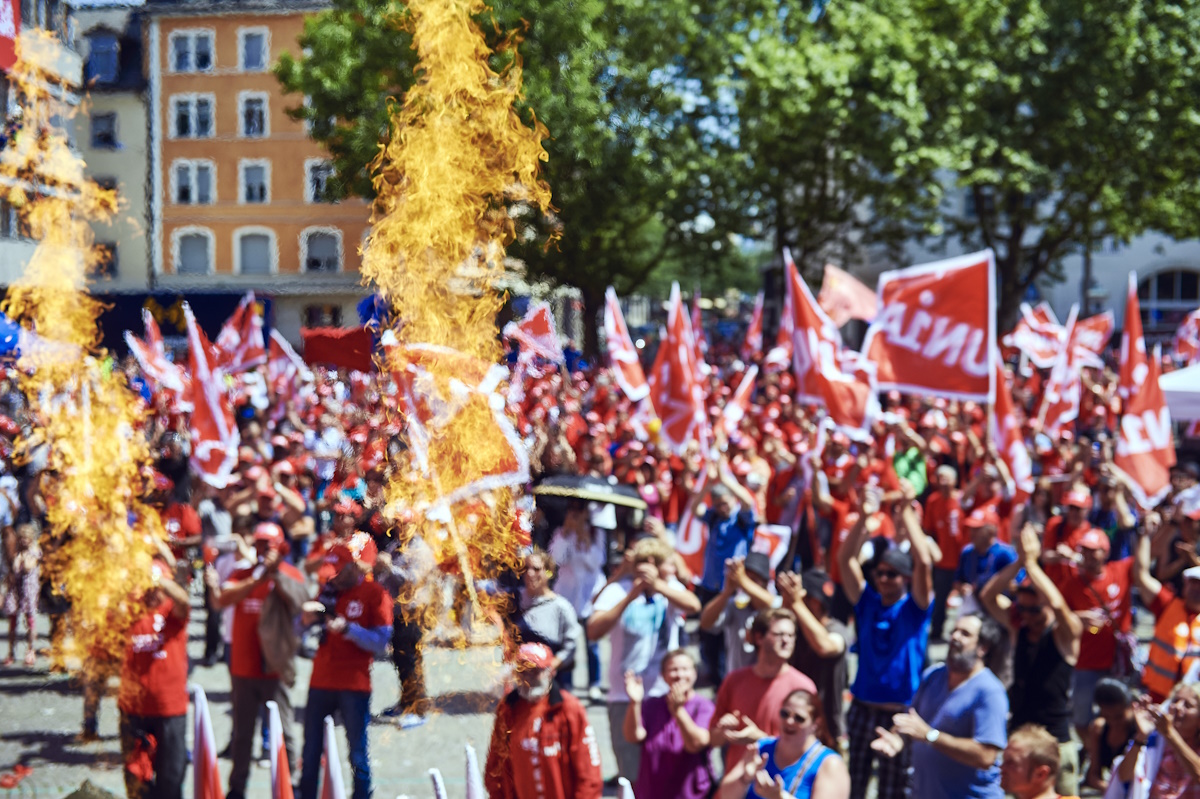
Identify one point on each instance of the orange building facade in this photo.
(236, 185)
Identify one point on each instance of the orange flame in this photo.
(99, 535)
(459, 160)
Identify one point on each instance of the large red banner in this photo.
(10, 26)
(936, 328)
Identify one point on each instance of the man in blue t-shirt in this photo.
(730, 533)
(955, 729)
(892, 623)
(981, 558)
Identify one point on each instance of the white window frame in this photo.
(177, 242)
(265, 32)
(341, 248)
(191, 33)
(254, 230)
(192, 163)
(309, 163)
(265, 163)
(191, 97)
(243, 96)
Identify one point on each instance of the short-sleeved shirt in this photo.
(245, 652)
(154, 675)
(645, 633)
(1098, 646)
(892, 641)
(758, 699)
(340, 664)
(943, 523)
(727, 538)
(180, 521)
(977, 568)
(667, 768)
(976, 709)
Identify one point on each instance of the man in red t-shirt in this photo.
(357, 628)
(154, 699)
(1069, 528)
(942, 522)
(543, 746)
(254, 683)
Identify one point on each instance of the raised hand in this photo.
(634, 688)
(768, 787)
(887, 742)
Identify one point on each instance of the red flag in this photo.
(1145, 450)
(331, 767)
(739, 403)
(1037, 334)
(206, 778)
(781, 354)
(283, 364)
(936, 328)
(1063, 391)
(696, 357)
(851, 396)
(698, 328)
(815, 338)
(240, 342)
(676, 393)
(844, 297)
(1187, 338)
(214, 434)
(1091, 337)
(691, 540)
(10, 26)
(626, 366)
(151, 355)
(537, 333)
(1006, 432)
(281, 772)
(752, 344)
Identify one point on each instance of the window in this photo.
(321, 251)
(317, 183)
(256, 254)
(193, 251)
(105, 265)
(191, 51)
(1167, 297)
(192, 182)
(255, 181)
(252, 49)
(104, 131)
(323, 316)
(104, 58)
(192, 116)
(253, 116)
(43, 14)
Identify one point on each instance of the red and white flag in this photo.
(698, 327)
(281, 772)
(1186, 345)
(1064, 390)
(206, 778)
(936, 328)
(1091, 337)
(675, 390)
(781, 354)
(1006, 432)
(331, 765)
(283, 364)
(851, 396)
(752, 344)
(1037, 334)
(816, 341)
(151, 355)
(626, 365)
(698, 362)
(240, 341)
(1145, 449)
(537, 334)
(844, 297)
(214, 434)
(691, 540)
(735, 410)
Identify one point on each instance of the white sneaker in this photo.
(410, 720)
(595, 694)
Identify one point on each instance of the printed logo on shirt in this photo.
(1114, 590)
(354, 609)
(589, 740)
(147, 642)
(252, 606)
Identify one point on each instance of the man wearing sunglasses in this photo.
(1045, 635)
(892, 621)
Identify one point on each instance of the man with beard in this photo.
(543, 746)
(956, 723)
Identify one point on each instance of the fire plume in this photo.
(99, 536)
(459, 162)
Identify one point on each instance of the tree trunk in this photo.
(593, 307)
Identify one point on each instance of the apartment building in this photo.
(236, 187)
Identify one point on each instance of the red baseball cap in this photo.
(347, 508)
(1094, 539)
(982, 517)
(360, 548)
(1078, 498)
(536, 656)
(269, 532)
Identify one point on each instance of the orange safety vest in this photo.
(1175, 647)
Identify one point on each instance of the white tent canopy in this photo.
(1182, 392)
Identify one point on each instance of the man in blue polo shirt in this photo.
(730, 533)
(892, 622)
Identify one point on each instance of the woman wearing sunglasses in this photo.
(801, 763)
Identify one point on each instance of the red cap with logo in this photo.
(1094, 539)
(982, 517)
(269, 532)
(536, 656)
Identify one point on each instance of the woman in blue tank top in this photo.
(799, 764)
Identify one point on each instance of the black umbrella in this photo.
(592, 489)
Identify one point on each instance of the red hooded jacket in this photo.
(543, 750)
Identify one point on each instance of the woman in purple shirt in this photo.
(673, 732)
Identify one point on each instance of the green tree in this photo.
(623, 162)
(1071, 121)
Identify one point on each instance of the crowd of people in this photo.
(747, 672)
